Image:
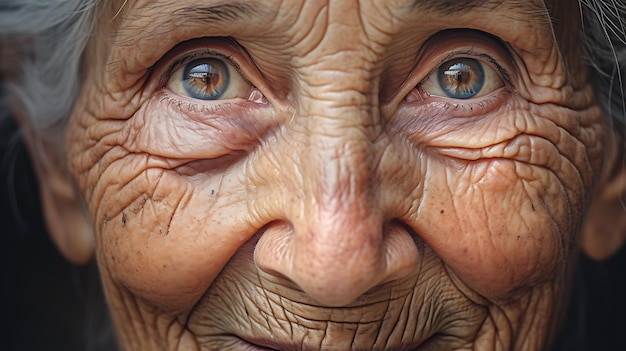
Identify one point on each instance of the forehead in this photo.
(146, 29)
(274, 13)
(230, 10)
(438, 5)
(272, 18)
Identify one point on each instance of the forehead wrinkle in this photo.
(449, 7)
(162, 18)
(214, 12)
(165, 20)
(221, 12)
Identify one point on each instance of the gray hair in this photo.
(41, 48)
(41, 45)
(604, 23)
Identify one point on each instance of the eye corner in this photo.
(489, 52)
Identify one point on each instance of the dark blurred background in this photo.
(49, 304)
(46, 303)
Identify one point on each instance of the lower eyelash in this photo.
(480, 107)
(460, 108)
(187, 107)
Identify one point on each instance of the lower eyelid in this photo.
(431, 122)
(228, 122)
(443, 107)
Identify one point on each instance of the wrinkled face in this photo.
(336, 175)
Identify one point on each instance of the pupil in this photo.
(461, 78)
(205, 79)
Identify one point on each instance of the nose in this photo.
(338, 258)
(340, 239)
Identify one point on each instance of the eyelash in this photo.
(193, 108)
(473, 54)
(451, 106)
(503, 72)
(163, 79)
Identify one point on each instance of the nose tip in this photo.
(336, 263)
(338, 239)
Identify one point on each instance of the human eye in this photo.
(208, 76)
(462, 78)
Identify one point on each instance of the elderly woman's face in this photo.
(335, 175)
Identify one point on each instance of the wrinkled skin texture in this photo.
(339, 205)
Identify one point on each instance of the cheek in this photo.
(505, 194)
(162, 240)
(499, 230)
(166, 222)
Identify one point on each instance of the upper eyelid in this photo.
(221, 47)
(472, 54)
(234, 54)
(465, 42)
(503, 71)
(190, 57)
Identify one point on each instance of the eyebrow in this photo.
(455, 6)
(220, 12)
(237, 10)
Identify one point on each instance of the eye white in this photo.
(210, 78)
(462, 78)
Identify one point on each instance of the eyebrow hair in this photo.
(231, 11)
(219, 12)
(455, 6)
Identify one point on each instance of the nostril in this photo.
(330, 273)
(272, 253)
(400, 250)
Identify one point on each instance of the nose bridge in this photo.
(339, 122)
(339, 127)
(340, 217)
(338, 238)
(336, 247)
(338, 109)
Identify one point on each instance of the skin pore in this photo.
(335, 197)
